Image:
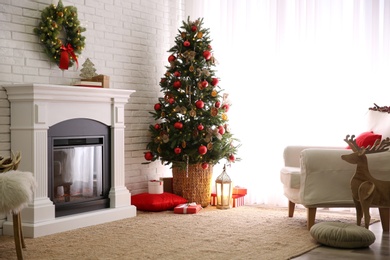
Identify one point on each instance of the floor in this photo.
(380, 249)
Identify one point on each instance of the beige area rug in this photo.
(246, 232)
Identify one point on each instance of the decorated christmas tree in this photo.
(191, 118)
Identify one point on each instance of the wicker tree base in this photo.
(196, 187)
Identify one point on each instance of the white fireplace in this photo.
(35, 108)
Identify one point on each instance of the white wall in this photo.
(125, 39)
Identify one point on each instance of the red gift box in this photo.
(239, 190)
(187, 208)
(238, 200)
(213, 199)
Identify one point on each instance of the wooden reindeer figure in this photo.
(366, 190)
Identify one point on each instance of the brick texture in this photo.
(127, 40)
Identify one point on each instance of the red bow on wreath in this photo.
(65, 52)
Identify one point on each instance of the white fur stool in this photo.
(16, 190)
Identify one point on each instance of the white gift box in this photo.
(156, 187)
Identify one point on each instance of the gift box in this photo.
(213, 199)
(239, 190)
(155, 187)
(187, 208)
(238, 200)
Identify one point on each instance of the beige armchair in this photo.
(317, 177)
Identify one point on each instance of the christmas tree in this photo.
(191, 118)
(88, 71)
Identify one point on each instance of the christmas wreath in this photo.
(54, 21)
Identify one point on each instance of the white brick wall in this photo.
(125, 39)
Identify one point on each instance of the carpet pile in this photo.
(246, 232)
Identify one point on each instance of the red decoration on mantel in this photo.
(65, 52)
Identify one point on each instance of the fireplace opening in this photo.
(78, 166)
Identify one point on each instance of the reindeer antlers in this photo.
(379, 146)
(12, 163)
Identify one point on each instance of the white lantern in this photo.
(223, 185)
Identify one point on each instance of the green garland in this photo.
(54, 20)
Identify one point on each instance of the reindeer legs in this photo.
(366, 190)
(359, 212)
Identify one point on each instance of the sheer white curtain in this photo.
(86, 168)
(298, 72)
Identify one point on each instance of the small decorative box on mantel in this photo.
(187, 208)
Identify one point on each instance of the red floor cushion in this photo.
(156, 202)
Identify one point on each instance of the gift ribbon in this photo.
(65, 52)
(157, 181)
(185, 206)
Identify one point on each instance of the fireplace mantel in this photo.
(35, 108)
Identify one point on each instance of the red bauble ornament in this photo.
(194, 28)
(157, 126)
(177, 84)
(148, 156)
(177, 150)
(178, 125)
(199, 104)
(202, 150)
(214, 82)
(171, 58)
(217, 104)
(207, 55)
(232, 158)
(171, 101)
(221, 130)
(205, 84)
(205, 165)
(176, 74)
(186, 44)
(226, 107)
(157, 106)
(200, 127)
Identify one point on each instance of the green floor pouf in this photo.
(342, 235)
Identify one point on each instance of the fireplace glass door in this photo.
(79, 166)
(77, 171)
